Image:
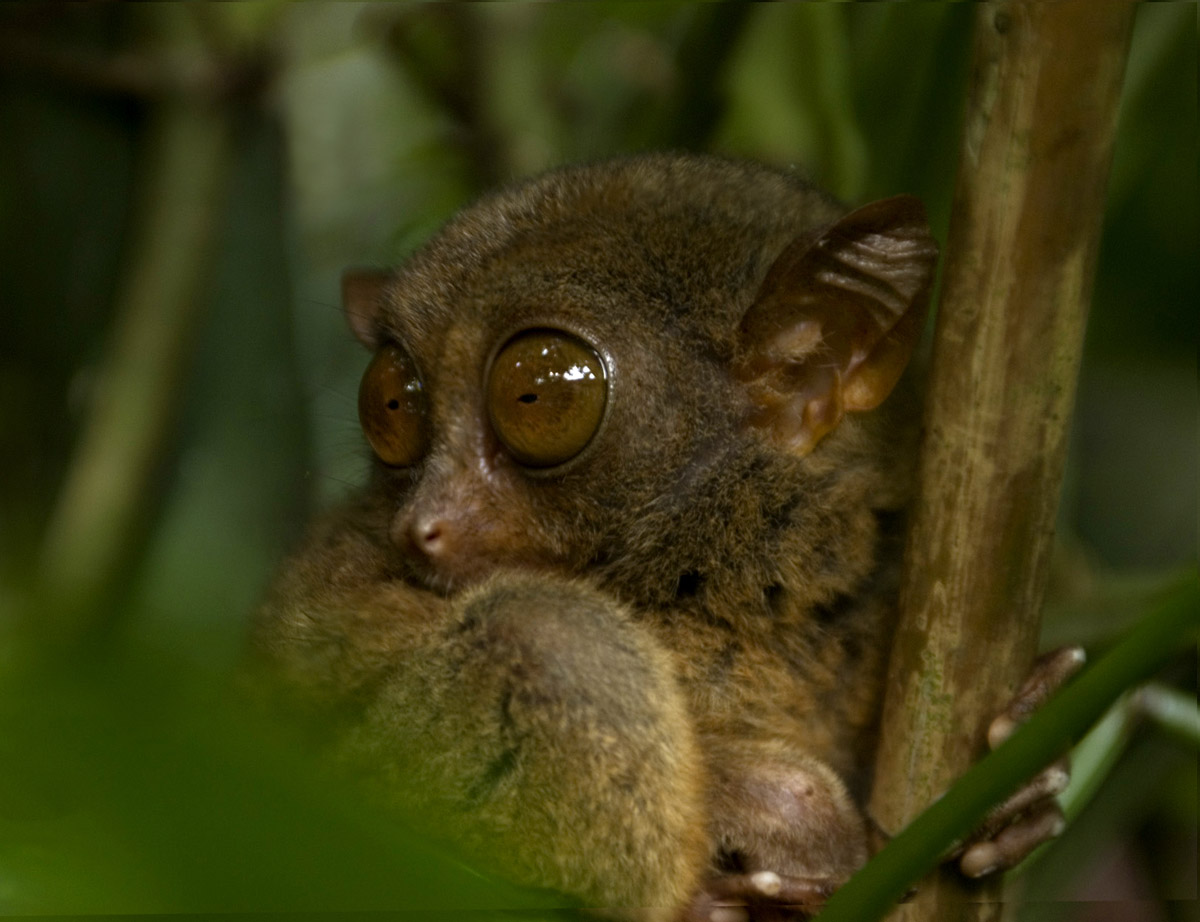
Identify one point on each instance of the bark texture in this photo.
(1019, 265)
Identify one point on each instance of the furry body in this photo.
(662, 660)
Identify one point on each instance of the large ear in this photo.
(362, 300)
(836, 320)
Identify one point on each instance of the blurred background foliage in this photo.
(187, 182)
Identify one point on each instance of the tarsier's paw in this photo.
(762, 896)
(787, 835)
(1031, 816)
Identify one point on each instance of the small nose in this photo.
(430, 535)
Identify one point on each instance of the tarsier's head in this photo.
(630, 370)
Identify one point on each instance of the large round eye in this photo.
(546, 393)
(391, 408)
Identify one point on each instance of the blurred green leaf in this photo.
(139, 784)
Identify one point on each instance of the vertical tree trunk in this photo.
(1023, 240)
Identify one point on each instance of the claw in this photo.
(1044, 787)
(1013, 843)
(767, 882)
(1050, 672)
(767, 887)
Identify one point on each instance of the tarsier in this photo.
(612, 613)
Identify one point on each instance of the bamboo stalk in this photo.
(1023, 239)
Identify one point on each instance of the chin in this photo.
(448, 578)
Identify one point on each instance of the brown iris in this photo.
(546, 393)
(391, 408)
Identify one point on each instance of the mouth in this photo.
(439, 578)
(447, 578)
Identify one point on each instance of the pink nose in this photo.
(430, 536)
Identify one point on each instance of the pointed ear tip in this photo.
(361, 301)
(909, 208)
(358, 280)
(904, 214)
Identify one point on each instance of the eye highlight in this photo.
(391, 408)
(546, 393)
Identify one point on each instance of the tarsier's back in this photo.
(612, 611)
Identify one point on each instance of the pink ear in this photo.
(362, 300)
(836, 321)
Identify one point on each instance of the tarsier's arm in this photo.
(529, 720)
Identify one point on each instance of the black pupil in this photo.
(527, 398)
(393, 404)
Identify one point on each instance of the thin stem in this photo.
(703, 56)
(102, 507)
(1172, 710)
